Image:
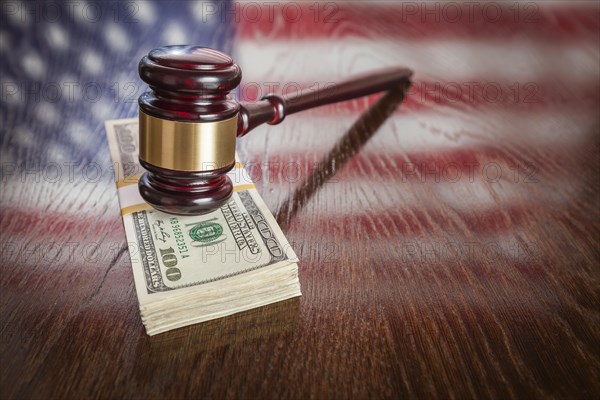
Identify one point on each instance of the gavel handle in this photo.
(272, 108)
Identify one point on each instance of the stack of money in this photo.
(189, 269)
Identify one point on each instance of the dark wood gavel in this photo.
(189, 123)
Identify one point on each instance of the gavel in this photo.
(189, 123)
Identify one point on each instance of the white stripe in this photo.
(475, 194)
(426, 132)
(514, 60)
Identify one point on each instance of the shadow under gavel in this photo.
(345, 148)
(189, 123)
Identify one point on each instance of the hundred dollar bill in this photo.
(182, 263)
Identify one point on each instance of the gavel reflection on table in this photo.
(189, 123)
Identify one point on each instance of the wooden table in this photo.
(448, 249)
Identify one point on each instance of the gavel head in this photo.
(188, 127)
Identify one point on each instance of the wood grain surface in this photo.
(449, 245)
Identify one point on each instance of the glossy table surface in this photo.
(449, 245)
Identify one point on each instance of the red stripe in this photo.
(411, 222)
(428, 96)
(522, 166)
(416, 20)
(37, 224)
(474, 234)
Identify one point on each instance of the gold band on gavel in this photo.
(187, 146)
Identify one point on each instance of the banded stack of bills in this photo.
(189, 269)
